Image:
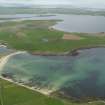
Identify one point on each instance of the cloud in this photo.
(82, 3)
(35, 1)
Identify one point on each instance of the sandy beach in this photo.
(42, 91)
(4, 59)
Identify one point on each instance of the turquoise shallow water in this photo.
(5, 51)
(78, 76)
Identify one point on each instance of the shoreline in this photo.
(41, 91)
(4, 59)
(72, 52)
(44, 92)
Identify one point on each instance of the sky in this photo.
(81, 3)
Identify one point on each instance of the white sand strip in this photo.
(42, 91)
(2, 45)
(5, 59)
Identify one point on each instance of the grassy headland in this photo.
(35, 36)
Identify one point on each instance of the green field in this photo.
(35, 36)
(16, 95)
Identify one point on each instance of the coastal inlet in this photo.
(78, 76)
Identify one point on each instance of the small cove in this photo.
(77, 76)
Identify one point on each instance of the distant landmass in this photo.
(49, 9)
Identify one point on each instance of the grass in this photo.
(30, 36)
(16, 95)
